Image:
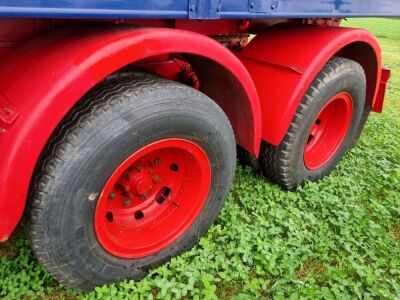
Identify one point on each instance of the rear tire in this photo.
(311, 149)
(71, 210)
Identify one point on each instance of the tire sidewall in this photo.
(103, 147)
(350, 82)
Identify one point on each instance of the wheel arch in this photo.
(282, 78)
(369, 58)
(41, 81)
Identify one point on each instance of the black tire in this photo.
(93, 137)
(247, 159)
(284, 164)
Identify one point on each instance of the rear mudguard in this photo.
(285, 59)
(41, 81)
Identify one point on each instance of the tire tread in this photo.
(277, 161)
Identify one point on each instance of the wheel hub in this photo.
(144, 186)
(152, 198)
(137, 180)
(328, 131)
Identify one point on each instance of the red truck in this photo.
(120, 120)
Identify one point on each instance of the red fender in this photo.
(41, 81)
(284, 60)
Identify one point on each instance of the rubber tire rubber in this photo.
(284, 164)
(124, 113)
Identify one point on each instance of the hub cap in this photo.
(152, 198)
(328, 131)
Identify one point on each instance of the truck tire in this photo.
(135, 175)
(322, 130)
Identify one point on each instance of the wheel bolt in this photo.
(111, 196)
(126, 202)
(157, 161)
(156, 179)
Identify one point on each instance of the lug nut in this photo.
(126, 202)
(157, 161)
(156, 179)
(111, 196)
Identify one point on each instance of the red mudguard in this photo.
(41, 81)
(284, 60)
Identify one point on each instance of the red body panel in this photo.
(284, 60)
(378, 104)
(43, 79)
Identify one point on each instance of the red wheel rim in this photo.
(328, 131)
(152, 198)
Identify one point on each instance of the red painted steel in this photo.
(378, 105)
(152, 198)
(322, 21)
(44, 78)
(328, 131)
(8, 114)
(15, 31)
(285, 59)
(173, 69)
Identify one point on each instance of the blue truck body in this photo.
(199, 9)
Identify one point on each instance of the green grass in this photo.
(338, 238)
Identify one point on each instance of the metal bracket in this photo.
(263, 6)
(209, 9)
(8, 114)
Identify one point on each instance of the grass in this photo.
(338, 238)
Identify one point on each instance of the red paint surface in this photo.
(378, 105)
(284, 60)
(152, 198)
(328, 131)
(47, 76)
(15, 31)
(173, 69)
